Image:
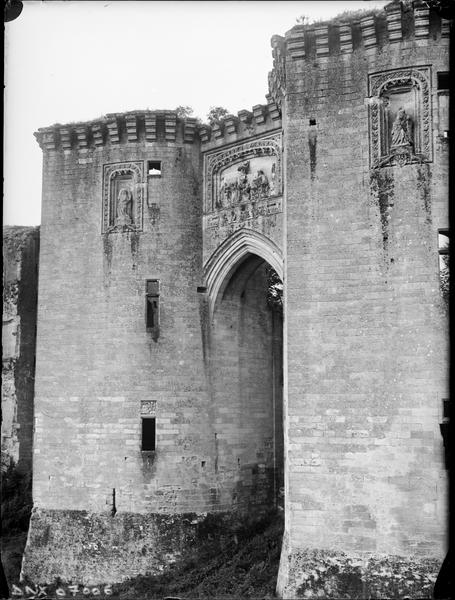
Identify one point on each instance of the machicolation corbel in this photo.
(150, 128)
(112, 128)
(322, 41)
(230, 124)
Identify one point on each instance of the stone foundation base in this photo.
(92, 549)
(327, 574)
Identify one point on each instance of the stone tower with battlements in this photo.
(167, 387)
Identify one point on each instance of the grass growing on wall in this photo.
(242, 563)
(16, 509)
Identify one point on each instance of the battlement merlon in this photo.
(118, 128)
(397, 22)
(158, 126)
(261, 119)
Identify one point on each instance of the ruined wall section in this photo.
(366, 325)
(20, 283)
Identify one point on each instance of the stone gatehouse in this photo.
(170, 385)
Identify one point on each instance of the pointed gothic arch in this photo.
(232, 253)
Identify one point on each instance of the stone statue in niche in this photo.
(273, 180)
(221, 195)
(226, 194)
(123, 197)
(260, 186)
(124, 206)
(400, 117)
(243, 185)
(402, 130)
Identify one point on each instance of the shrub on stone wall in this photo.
(16, 509)
(16, 500)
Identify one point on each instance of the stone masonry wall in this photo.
(20, 281)
(99, 371)
(96, 363)
(366, 327)
(98, 368)
(365, 349)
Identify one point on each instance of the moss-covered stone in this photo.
(328, 574)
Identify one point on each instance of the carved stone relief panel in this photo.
(240, 216)
(148, 407)
(123, 197)
(243, 189)
(400, 117)
(243, 175)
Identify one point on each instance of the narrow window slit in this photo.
(148, 434)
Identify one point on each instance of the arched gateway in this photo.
(243, 265)
(232, 252)
(246, 370)
(153, 410)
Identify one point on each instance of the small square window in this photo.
(443, 81)
(148, 434)
(154, 168)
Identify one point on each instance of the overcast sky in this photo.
(74, 61)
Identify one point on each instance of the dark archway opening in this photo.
(247, 384)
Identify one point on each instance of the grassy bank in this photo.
(237, 563)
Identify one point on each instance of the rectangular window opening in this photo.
(154, 168)
(443, 81)
(152, 312)
(444, 272)
(152, 307)
(148, 434)
(445, 409)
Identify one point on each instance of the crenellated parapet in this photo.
(116, 129)
(396, 23)
(261, 119)
(119, 128)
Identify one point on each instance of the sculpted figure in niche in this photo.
(227, 194)
(242, 182)
(260, 185)
(124, 206)
(402, 129)
(228, 191)
(222, 194)
(273, 179)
